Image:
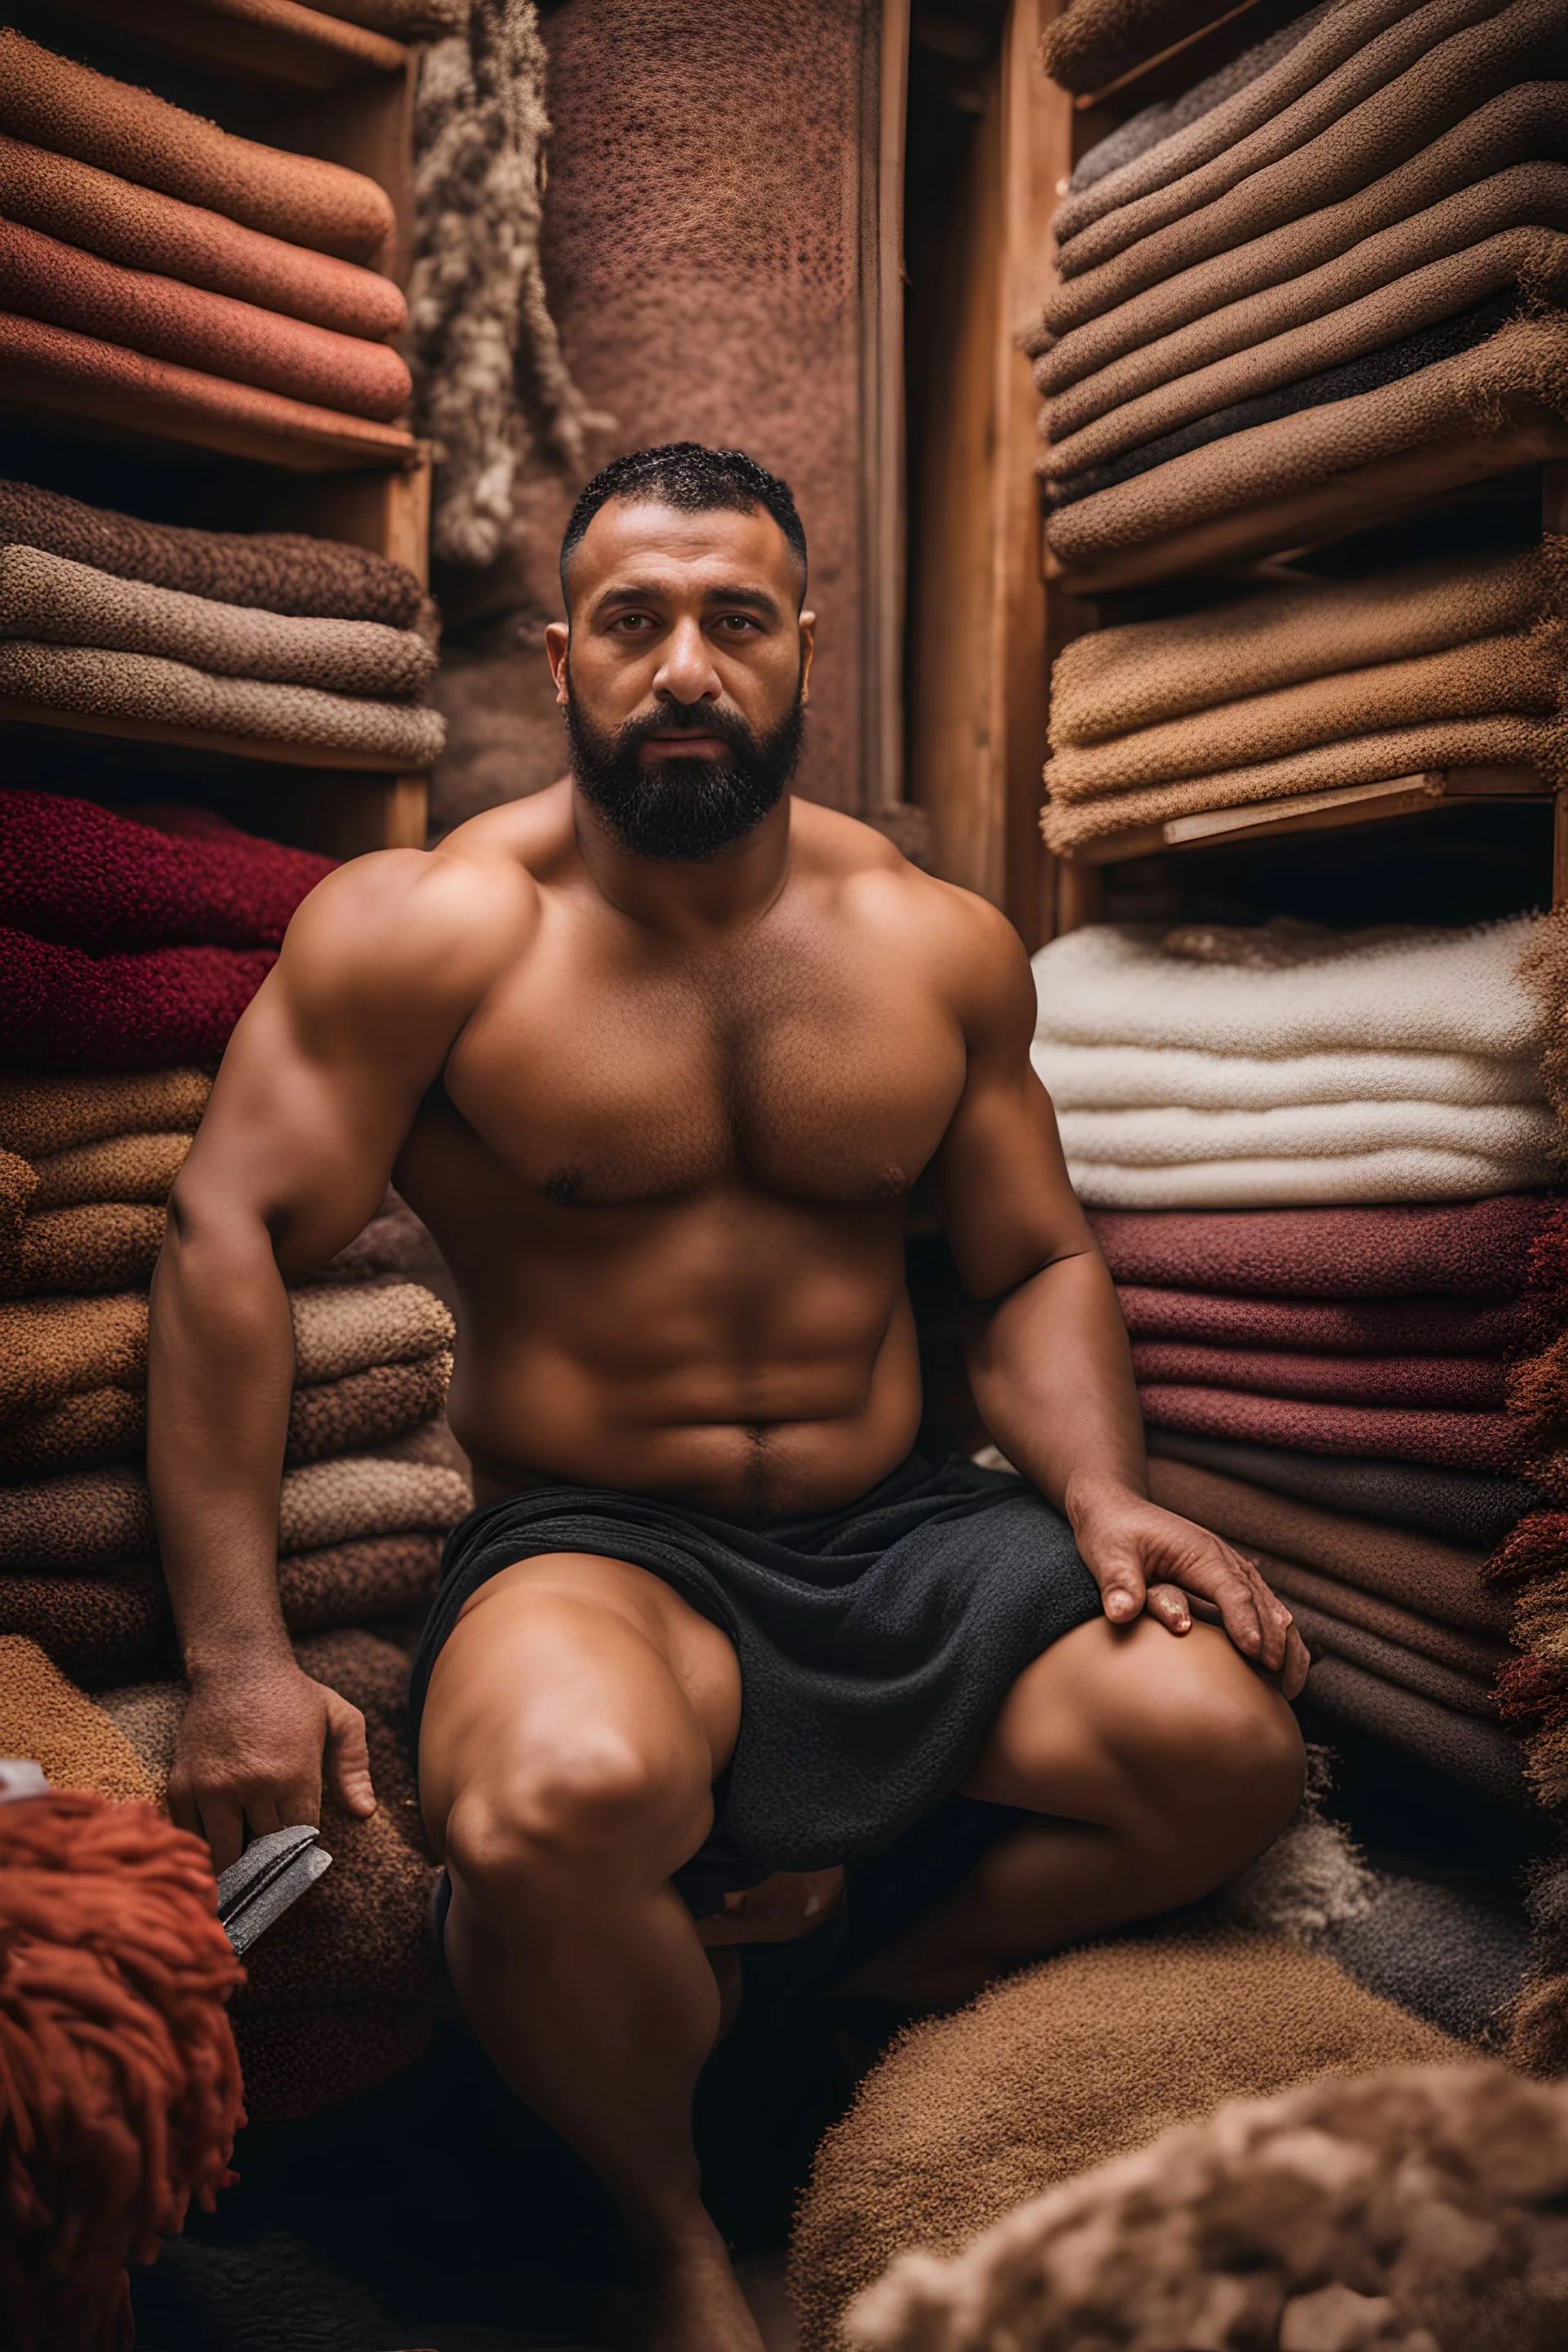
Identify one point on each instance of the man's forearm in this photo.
(1052, 1373)
(220, 1375)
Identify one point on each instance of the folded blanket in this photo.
(1339, 1605)
(1391, 1662)
(48, 366)
(127, 1168)
(40, 1116)
(75, 1432)
(67, 1011)
(270, 571)
(394, 1242)
(1461, 1745)
(1414, 1327)
(50, 1347)
(1439, 1583)
(42, 1717)
(89, 680)
(345, 1583)
(47, 598)
(40, 278)
(338, 1330)
(1350, 1177)
(136, 225)
(1481, 1250)
(1456, 991)
(1133, 1077)
(102, 1246)
(1521, 1133)
(1466, 1507)
(1499, 233)
(1456, 1383)
(1517, 378)
(71, 110)
(1094, 41)
(1360, 121)
(98, 1630)
(18, 1184)
(1152, 124)
(1469, 1441)
(73, 872)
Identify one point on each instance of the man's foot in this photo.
(692, 2301)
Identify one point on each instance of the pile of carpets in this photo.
(1341, 262)
(1303, 689)
(148, 255)
(301, 644)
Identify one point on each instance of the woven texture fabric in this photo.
(1396, 1645)
(1463, 1507)
(102, 1245)
(43, 279)
(1458, 1383)
(1094, 41)
(273, 572)
(71, 110)
(140, 1168)
(1454, 1742)
(1457, 1440)
(43, 1716)
(1152, 1077)
(43, 1116)
(1356, 1177)
(143, 230)
(62, 1010)
(1478, 1251)
(1417, 1327)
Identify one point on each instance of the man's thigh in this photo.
(557, 1657)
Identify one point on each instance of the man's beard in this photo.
(679, 807)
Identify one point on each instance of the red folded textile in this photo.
(37, 359)
(1459, 1441)
(1474, 1249)
(77, 874)
(149, 231)
(61, 1009)
(42, 278)
(1370, 1326)
(1455, 1383)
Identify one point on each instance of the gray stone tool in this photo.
(268, 1878)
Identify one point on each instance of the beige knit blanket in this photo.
(1148, 1077)
(1532, 261)
(124, 1167)
(1336, 1180)
(1113, 682)
(51, 600)
(103, 685)
(1519, 376)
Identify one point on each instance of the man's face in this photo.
(683, 675)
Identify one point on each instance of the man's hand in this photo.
(1143, 1558)
(251, 1753)
(776, 1910)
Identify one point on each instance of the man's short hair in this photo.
(698, 480)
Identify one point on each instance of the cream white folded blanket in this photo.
(1356, 1180)
(1517, 1133)
(1426, 992)
(1134, 1077)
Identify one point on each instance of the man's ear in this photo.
(557, 640)
(807, 647)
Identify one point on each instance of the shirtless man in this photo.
(660, 1055)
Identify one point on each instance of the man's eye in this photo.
(737, 621)
(634, 621)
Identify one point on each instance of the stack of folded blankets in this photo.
(126, 955)
(295, 646)
(1312, 1161)
(1311, 686)
(150, 257)
(1343, 260)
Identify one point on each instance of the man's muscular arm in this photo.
(322, 1078)
(1048, 1359)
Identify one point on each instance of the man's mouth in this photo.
(682, 740)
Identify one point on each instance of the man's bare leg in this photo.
(1160, 1765)
(577, 1719)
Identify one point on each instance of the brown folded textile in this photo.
(79, 1433)
(43, 361)
(40, 278)
(373, 1674)
(98, 1630)
(49, 599)
(1462, 1506)
(43, 1717)
(277, 572)
(1519, 675)
(1468, 1654)
(140, 1168)
(1457, 253)
(1094, 41)
(136, 225)
(90, 680)
(1460, 1441)
(298, 2061)
(342, 1584)
(102, 1246)
(1460, 1745)
(362, 1933)
(394, 1242)
(338, 1329)
(1516, 377)
(1417, 1327)
(1110, 683)
(1314, 152)
(1438, 1581)
(18, 1184)
(1390, 1661)
(1458, 1383)
(1475, 1249)
(72, 111)
(42, 1116)
(51, 1347)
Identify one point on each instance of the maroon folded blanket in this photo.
(1470, 1654)
(1370, 1326)
(1451, 1384)
(1460, 1745)
(1390, 1661)
(42, 278)
(1474, 1249)
(78, 873)
(1459, 1441)
(61, 1009)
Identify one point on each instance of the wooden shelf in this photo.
(143, 420)
(278, 40)
(1350, 804)
(15, 713)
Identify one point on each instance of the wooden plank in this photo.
(16, 713)
(280, 40)
(882, 416)
(1378, 493)
(1080, 894)
(137, 419)
(387, 512)
(1350, 804)
(345, 816)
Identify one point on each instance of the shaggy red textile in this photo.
(1537, 1546)
(1354, 1327)
(62, 1010)
(1477, 1249)
(1459, 1440)
(1453, 1383)
(120, 2086)
(72, 872)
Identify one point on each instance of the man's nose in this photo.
(686, 673)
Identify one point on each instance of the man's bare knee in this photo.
(596, 1814)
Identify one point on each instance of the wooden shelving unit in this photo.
(296, 78)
